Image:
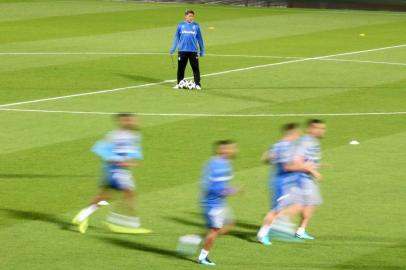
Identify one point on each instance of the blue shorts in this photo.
(217, 217)
(120, 179)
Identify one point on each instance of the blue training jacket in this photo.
(188, 38)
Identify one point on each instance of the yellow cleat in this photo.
(75, 220)
(126, 230)
(83, 226)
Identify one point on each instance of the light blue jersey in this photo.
(215, 182)
(119, 145)
(308, 147)
(188, 38)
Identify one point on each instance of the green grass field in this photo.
(47, 172)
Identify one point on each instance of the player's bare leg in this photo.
(226, 229)
(82, 218)
(290, 212)
(129, 197)
(211, 237)
(307, 214)
(128, 222)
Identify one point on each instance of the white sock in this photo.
(263, 231)
(86, 212)
(203, 254)
(300, 231)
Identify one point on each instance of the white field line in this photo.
(212, 114)
(365, 61)
(205, 75)
(210, 55)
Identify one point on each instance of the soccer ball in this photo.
(182, 84)
(191, 85)
(188, 244)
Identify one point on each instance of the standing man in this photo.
(217, 175)
(188, 38)
(120, 151)
(308, 150)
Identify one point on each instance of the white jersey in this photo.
(125, 142)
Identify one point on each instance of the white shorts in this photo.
(218, 217)
(291, 195)
(311, 193)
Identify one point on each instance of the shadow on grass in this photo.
(39, 216)
(124, 243)
(138, 78)
(243, 235)
(39, 176)
(31, 215)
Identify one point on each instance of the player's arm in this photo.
(199, 37)
(175, 40)
(105, 151)
(219, 189)
(300, 165)
(133, 158)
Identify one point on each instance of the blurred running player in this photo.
(216, 187)
(284, 183)
(188, 40)
(308, 150)
(120, 151)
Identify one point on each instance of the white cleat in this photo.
(176, 87)
(198, 87)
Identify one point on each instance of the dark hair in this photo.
(314, 121)
(221, 143)
(124, 114)
(189, 11)
(289, 127)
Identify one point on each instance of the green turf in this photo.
(47, 172)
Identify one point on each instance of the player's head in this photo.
(189, 15)
(316, 128)
(127, 121)
(225, 148)
(291, 131)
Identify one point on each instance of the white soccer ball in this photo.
(182, 84)
(188, 244)
(191, 85)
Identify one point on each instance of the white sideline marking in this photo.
(365, 61)
(212, 114)
(205, 75)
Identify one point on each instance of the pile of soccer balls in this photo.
(185, 84)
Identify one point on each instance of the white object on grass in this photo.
(354, 142)
(188, 244)
(103, 203)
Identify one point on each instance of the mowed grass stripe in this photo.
(303, 45)
(108, 22)
(28, 10)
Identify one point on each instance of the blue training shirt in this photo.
(282, 154)
(188, 38)
(215, 181)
